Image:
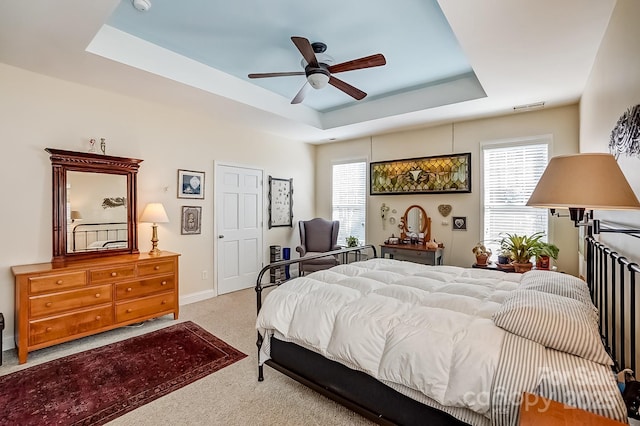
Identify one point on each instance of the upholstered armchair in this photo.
(317, 236)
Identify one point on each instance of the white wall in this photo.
(561, 123)
(612, 87)
(39, 112)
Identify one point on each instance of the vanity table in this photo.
(414, 222)
(97, 279)
(416, 253)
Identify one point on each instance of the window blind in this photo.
(349, 193)
(510, 174)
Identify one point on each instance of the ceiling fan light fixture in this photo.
(318, 80)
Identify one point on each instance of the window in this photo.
(510, 174)
(349, 200)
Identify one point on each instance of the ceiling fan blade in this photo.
(376, 60)
(306, 50)
(347, 88)
(301, 94)
(275, 74)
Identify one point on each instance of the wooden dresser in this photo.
(55, 304)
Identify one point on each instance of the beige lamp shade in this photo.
(75, 215)
(154, 213)
(590, 181)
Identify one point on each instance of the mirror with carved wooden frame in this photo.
(415, 220)
(64, 165)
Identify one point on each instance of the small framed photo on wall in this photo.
(190, 184)
(191, 220)
(459, 223)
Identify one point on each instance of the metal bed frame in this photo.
(99, 231)
(612, 282)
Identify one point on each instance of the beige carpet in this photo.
(231, 396)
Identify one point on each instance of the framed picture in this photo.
(459, 223)
(427, 175)
(190, 184)
(191, 220)
(280, 202)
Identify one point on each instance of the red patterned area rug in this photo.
(98, 385)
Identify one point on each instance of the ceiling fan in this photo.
(319, 70)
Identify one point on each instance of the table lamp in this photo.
(154, 213)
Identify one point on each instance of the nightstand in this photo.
(538, 411)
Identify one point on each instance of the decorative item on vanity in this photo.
(154, 213)
(522, 249)
(482, 254)
(92, 146)
(103, 146)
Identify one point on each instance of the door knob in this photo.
(220, 236)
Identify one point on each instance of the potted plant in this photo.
(544, 254)
(482, 254)
(522, 249)
(504, 257)
(352, 241)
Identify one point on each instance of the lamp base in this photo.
(154, 242)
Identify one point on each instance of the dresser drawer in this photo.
(145, 307)
(49, 304)
(112, 274)
(40, 284)
(154, 268)
(144, 287)
(41, 331)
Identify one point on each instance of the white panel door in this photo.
(239, 227)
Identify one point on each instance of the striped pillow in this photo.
(553, 321)
(557, 283)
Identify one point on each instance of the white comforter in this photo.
(424, 327)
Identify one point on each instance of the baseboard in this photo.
(8, 342)
(197, 297)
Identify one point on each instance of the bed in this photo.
(404, 343)
(99, 236)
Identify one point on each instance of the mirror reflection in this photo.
(414, 222)
(96, 211)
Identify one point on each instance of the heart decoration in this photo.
(444, 209)
(459, 223)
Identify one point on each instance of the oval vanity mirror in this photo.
(416, 221)
(94, 205)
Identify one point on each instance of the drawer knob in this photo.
(48, 304)
(97, 295)
(156, 267)
(98, 317)
(48, 329)
(164, 302)
(59, 282)
(163, 283)
(114, 274)
(129, 310)
(129, 289)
